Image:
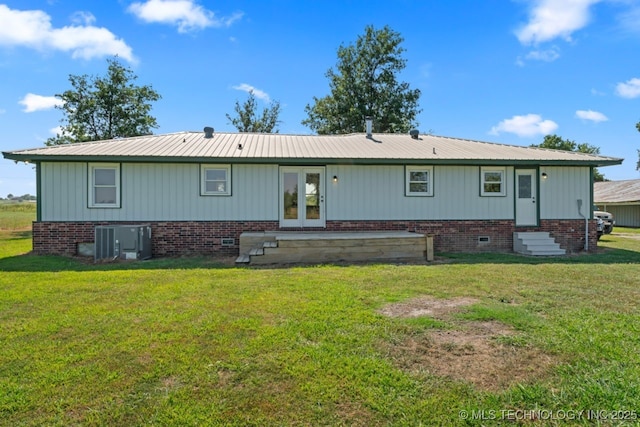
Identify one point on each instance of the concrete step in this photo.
(536, 244)
(546, 252)
(533, 235)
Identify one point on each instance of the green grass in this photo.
(631, 230)
(15, 227)
(191, 342)
(16, 216)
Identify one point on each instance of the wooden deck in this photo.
(258, 248)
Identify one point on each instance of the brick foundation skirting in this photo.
(205, 237)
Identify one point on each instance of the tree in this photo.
(365, 83)
(555, 142)
(97, 108)
(248, 120)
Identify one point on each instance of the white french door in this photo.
(302, 197)
(526, 192)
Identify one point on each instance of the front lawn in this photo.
(469, 341)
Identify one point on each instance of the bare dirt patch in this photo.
(489, 354)
(427, 306)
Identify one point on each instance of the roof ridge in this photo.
(502, 144)
(534, 147)
(619, 180)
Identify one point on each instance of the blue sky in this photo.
(491, 70)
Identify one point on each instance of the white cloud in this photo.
(630, 19)
(32, 29)
(550, 19)
(2, 111)
(185, 14)
(260, 94)
(525, 126)
(33, 102)
(591, 115)
(83, 18)
(548, 55)
(56, 130)
(629, 89)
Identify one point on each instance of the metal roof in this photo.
(280, 148)
(617, 191)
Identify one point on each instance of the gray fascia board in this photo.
(305, 161)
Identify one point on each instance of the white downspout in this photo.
(586, 226)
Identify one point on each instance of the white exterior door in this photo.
(302, 197)
(526, 192)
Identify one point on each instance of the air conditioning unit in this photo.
(122, 242)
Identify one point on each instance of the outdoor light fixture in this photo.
(544, 175)
(335, 178)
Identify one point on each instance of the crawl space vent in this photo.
(227, 241)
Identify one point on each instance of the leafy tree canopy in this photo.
(247, 119)
(365, 83)
(555, 142)
(112, 106)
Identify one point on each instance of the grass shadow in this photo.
(52, 263)
(611, 250)
(9, 235)
(603, 256)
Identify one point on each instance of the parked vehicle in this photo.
(600, 227)
(606, 217)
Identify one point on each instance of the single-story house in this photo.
(200, 191)
(621, 199)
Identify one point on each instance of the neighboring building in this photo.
(199, 191)
(621, 199)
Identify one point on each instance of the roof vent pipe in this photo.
(208, 132)
(369, 123)
(414, 133)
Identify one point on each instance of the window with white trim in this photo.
(104, 185)
(492, 181)
(419, 181)
(215, 180)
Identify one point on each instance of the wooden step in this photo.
(301, 257)
(256, 251)
(323, 247)
(243, 259)
(285, 243)
(344, 249)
